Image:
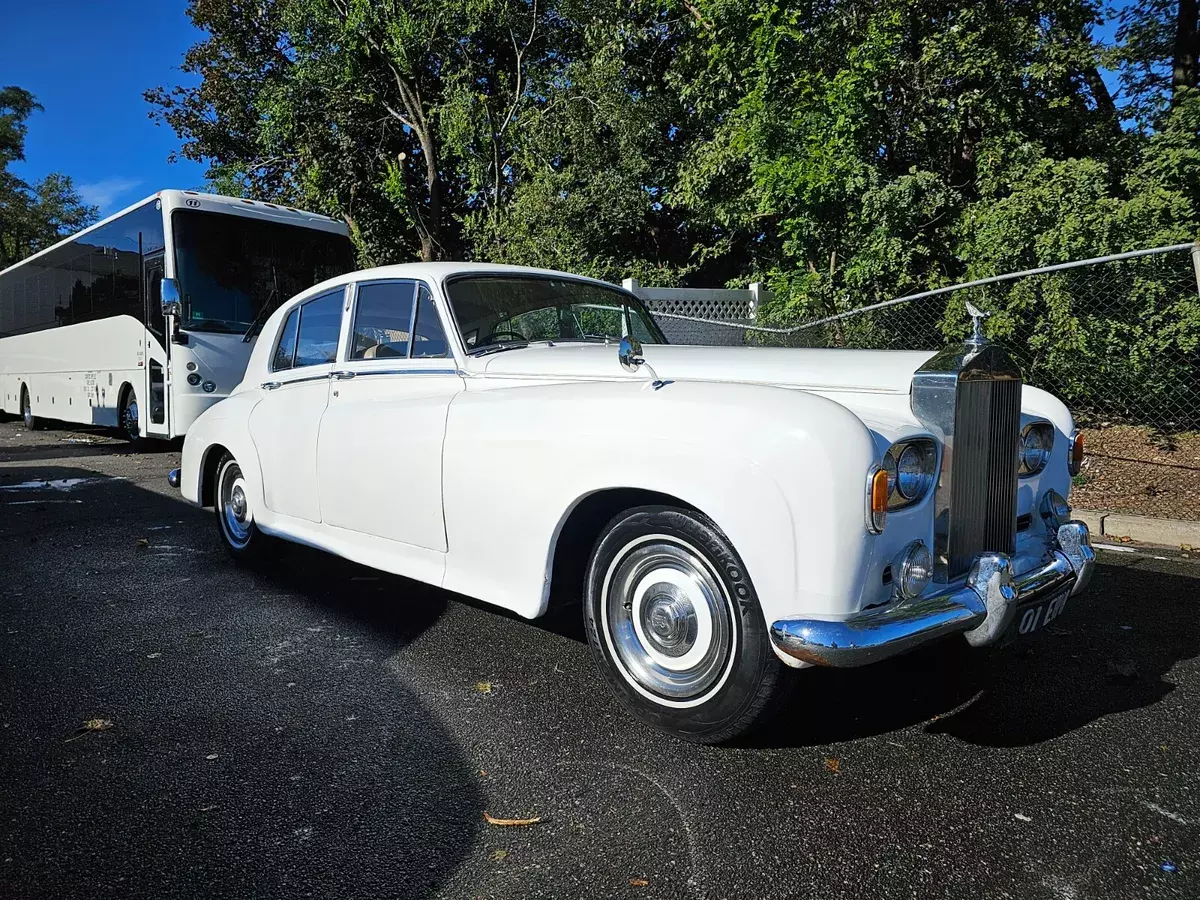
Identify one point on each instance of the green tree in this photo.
(32, 217)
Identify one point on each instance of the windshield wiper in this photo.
(498, 348)
(265, 310)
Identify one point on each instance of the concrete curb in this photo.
(1143, 529)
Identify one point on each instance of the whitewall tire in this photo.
(673, 620)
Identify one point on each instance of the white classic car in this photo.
(727, 514)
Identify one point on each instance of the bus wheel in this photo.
(131, 427)
(31, 421)
(235, 516)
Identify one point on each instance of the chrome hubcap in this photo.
(668, 620)
(235, 508)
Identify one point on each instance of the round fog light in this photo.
(914, 570)
(209, 386)
(193, 379)
(1055, 510)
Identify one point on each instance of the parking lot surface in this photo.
(314, 728)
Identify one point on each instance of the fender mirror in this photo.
(172, 305)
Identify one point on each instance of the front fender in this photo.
(780, 471)
(222, 425)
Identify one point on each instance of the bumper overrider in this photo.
(983, 609)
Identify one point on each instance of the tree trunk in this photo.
(1104, 101)
(1187, 47)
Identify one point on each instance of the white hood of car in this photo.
(853, 371)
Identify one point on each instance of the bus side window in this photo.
(285, 351)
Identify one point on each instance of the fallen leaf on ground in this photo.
(143, 543)
(492, 820)
(92, 725)
(638, 882)
(212, 756)
(1022, 817)
(484, 687)
(208, 808)
(498, 855)
(833, 765)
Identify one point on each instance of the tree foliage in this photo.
(32, 217)
(846, 151)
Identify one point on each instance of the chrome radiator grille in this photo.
(983, 495)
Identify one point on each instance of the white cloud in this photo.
(105, 192)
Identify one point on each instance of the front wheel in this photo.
(130, 420)
(235, 516)
(673, 620)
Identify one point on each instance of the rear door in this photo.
(379, 459)
(285, 423)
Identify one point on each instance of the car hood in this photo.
(854, 371)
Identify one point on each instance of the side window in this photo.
(285, 350)
(320, 327)
(429, 340)
(383, 319)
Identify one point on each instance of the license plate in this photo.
(1040, 614)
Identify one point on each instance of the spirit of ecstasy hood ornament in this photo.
(978, 338)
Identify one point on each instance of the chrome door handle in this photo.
(342, 374)
(270, 385)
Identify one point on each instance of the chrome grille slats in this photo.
(969, 396)
(983, 501)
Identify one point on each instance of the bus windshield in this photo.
(230, 266)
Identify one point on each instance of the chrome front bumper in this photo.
(982, 609)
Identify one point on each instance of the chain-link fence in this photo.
(1115, 337)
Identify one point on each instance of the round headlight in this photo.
(913, 570)
(889, 466)
(1035, 449)
(194, 379)
(209, 386)
(913, 474)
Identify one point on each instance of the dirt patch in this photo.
(1132, 469)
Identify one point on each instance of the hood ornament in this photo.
(978, 316)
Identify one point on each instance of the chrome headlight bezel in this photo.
(1035, 448)
(911, 466)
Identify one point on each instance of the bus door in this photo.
(152, 394)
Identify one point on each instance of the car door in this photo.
(379, 456)
(285, 423)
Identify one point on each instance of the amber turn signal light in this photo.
(1076, 462)
(878, 501)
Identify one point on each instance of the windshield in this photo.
(499, 310)
(228, 266)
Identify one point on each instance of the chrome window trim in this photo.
(367, 373)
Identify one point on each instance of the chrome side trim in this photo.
(366, 373)
(272, 385)
(982, 609)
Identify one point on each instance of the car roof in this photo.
(440, 271)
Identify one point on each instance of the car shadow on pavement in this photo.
(257, 742)
(1110, 654)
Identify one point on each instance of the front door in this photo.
(379, 457)
(152, 394)
(285, 422)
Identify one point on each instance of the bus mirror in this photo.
(171, 305)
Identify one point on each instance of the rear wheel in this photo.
(235, 516)
(31, 421)
(676, 627)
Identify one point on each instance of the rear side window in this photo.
(285, 350)
(320, 327)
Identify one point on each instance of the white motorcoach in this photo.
(147, 318)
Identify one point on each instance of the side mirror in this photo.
(629, 354)
(172, 305)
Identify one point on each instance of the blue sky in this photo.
(95, 126)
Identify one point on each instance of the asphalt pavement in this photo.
(316, 729)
